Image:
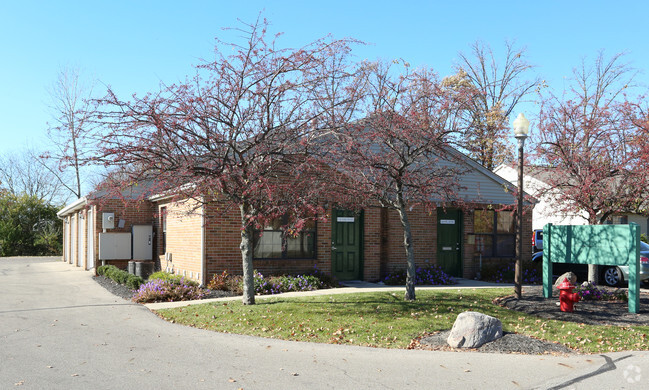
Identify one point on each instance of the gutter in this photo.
(171, 193)
(78, 204)
(159, 197)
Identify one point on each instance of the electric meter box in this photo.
(108, 221)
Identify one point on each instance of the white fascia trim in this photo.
(74, 206)
(170, 194)
(160, 197)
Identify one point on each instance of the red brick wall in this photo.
(424, 237)
(184, 239)
(140, 213)
(383, 243)
(372, 243)
(223, 238)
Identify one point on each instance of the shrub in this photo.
(172, 278)
(504, 273)
(101, 270)
(428, 275)
(235, 284)
(286, 283)
(313, 280)
(107, 270)
(589, 292)
(328, 281)
(120, 276)
(111, 272)
(219, 281)
(134, 282)
(159, 290)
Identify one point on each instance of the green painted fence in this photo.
(593, 244)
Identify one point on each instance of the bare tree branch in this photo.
(500, 85)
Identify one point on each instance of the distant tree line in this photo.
(28, 226)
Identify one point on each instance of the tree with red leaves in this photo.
(238, 132)
(398, 156)
(589, 144)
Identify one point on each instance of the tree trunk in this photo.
(75, 156)
(410, 254)
(593, 274)
(593, 269)
(246, 255)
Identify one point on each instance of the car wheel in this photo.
(612, 276)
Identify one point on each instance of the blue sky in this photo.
(134, 45)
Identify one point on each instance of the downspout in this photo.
(203, 251)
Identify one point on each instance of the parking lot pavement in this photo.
(61, 330)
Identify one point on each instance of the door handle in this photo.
(333, 248)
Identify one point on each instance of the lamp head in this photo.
(521, 126)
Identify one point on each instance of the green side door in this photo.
(449, 241)
(346, 244)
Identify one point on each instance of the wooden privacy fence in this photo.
(593, 244)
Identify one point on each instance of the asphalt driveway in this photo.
(61, 330)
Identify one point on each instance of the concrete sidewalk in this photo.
(353, 286)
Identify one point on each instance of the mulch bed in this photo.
(614, 313)
(586, 312)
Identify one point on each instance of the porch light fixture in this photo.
(521, 128)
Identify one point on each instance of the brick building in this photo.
(199, 240)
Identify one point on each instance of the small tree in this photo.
(590, 145)
(237, 132)
(70, 135)
(499, 84)
(399, 155)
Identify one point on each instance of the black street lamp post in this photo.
(521, 127)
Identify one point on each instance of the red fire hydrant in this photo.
(567, 297)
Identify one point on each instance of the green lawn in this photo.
(385, 320)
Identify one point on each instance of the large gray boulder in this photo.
(472, 329)
(572, 278)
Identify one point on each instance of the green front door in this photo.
(449, 241)
(346, 244)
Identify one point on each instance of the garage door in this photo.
(80, 237)
(90, 254)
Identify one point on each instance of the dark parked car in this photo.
(608, 275)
